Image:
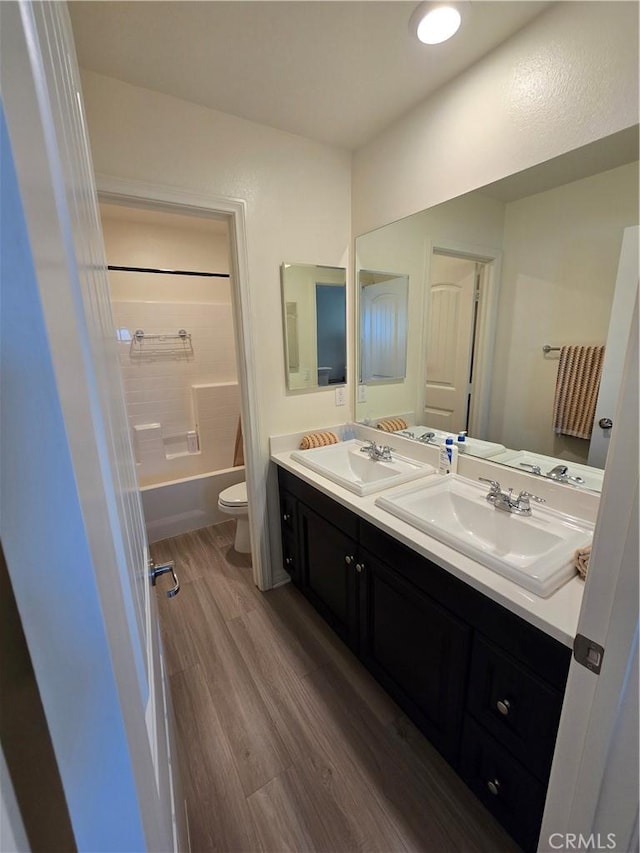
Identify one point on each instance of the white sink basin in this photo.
(592, 477)
(474, 446)
(346, 465)
(536, 552)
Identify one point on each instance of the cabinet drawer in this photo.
(514, 705)
(513, 795)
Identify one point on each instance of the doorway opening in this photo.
(174, 306)
(456, 293)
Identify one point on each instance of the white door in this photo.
(449, 342)
(72, 524)
(383, 329)
(617, 340)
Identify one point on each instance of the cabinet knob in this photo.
(504, 706)
(348, 560)
(359, 567)
(494, 787)
(286, 516)
(288, 561)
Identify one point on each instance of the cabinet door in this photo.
(289, 529)
(417, 650)
(328, 569)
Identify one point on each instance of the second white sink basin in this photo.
(345, 464)
(536, 552)
(524, 459)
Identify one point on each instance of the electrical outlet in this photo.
(341, 396)
(362, 393)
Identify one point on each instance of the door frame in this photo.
(172, 199)
(486, 324)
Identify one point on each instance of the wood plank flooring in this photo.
(285, 741)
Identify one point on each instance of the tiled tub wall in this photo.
(180, 388)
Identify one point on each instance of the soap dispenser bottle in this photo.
(448, 456)
(462, 441)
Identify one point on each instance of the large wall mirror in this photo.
(314, 315)
(498, 281)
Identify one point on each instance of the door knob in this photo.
(156, 571)
(605, 423)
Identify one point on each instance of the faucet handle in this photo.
(524, 498)
(535, 469)
(495, 485)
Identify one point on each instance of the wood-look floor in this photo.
(285, 741)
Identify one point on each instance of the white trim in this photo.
(486, 329)
(159, 196)
(590, 732)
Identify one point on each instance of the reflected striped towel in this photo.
(392, 424)
(574, 407)
(318, 439)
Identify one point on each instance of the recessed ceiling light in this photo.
(434, 23)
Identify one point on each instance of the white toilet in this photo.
(233, 501)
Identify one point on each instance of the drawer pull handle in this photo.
(504, 706)
(348, 560)
(494, 787)
(286, 517)
(359, 567)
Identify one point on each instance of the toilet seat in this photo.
(234, 496)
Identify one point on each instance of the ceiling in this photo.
(338, 72)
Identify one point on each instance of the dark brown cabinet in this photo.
(483, 685)
(417, 650)
(328, 573)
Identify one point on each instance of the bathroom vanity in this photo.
(481, 672)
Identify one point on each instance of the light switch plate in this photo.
(341, 396)
(362, 393)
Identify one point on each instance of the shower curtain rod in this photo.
(115, 268)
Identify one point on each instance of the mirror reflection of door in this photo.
(332, 334)
(451, 330)
(383, 326)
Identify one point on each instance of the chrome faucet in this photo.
(377, 451)
(506, 502)
(560, 473)
(427, 437)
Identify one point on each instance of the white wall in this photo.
(474, 223)
(561, 252)
(298, 206)
(567, 79)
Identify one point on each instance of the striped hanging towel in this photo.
(577, 385)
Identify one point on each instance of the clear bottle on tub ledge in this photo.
(462, 441)
(448, 456)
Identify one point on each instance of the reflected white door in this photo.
(449, 344)
(617, 340)
(383, 329)
(105, 698)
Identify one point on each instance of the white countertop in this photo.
(557, 615)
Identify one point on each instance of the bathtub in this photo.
(177, 506)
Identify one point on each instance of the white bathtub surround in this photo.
(180, 392)
(175, 507)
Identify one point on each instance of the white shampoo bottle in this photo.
(448, 456)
